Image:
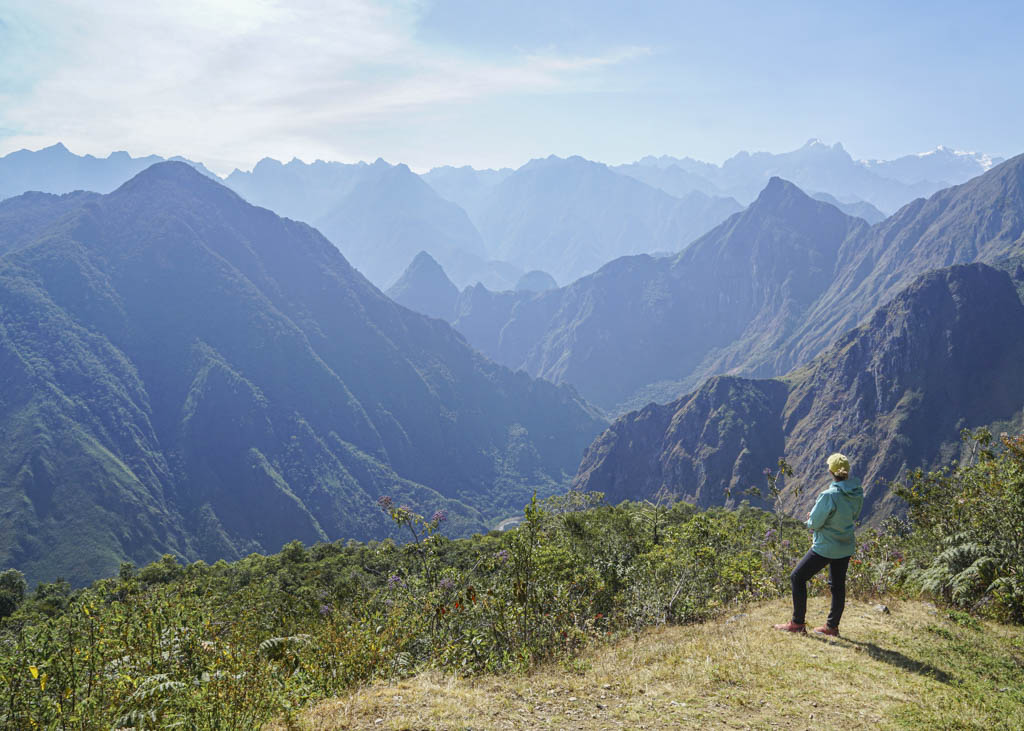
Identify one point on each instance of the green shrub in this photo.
(964, 537)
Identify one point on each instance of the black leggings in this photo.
(809, 565)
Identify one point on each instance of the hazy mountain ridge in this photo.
(466, 186)
(379, 215)
(892, 394)
(56, 169)
(641, 320)
(390, 214)
(858, 209)
(186, 373)
(570, 216)
(565, 216)
(765, 291)
(940, 164)
(888, 185)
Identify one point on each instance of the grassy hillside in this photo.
(915, 667)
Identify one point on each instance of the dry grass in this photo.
(915, 667)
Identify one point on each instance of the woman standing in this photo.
(832, 520)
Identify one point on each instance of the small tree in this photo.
(12, 591)
(653, 516)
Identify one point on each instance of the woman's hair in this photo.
(839, 465)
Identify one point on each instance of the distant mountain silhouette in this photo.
(425, 288)
(940, 165)
(672, 177)
(536, 281)
(390, 215)
(299, 190)
(465, 185)
(183, 372)
(887, 185)
(378, 215)
(858, 209)
(570, 216)
(892, 394)
(56, 169)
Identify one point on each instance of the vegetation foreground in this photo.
(915, 666)
(577, 586)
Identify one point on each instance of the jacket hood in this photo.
(850, 486)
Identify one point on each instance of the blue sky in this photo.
(493, 83)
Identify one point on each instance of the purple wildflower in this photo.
(325, 610)
(769, 534)
(385, 502)
(446, 584)
(502, 555)
(395, 580)
(439, 516)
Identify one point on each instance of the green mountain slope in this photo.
(186, 373)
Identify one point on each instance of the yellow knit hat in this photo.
(838, 463)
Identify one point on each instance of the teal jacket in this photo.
(833, 516)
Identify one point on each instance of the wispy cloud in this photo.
(228, 81)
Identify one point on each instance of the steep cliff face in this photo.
(892, 394)
(704, 446)
(944, 354)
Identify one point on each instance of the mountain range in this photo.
(379, 215)
(892, 394)
(570, 216)
(886, 184)
(56, 169)
(182, 372)
(762, 293)
(563, 216)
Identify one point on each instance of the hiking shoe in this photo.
(826, 630)
(790, 626)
